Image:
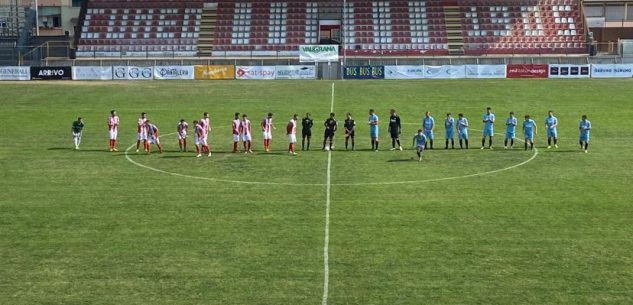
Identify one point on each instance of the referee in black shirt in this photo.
(349, 125)
(330, 128)
(395, 129)
(306, 131)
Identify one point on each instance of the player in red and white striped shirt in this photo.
(236, 132)
(245, 131)
(205, 122)
(200, 138)
(291, 130)
(181, 131)
(267, 130)
(141, 129)
(113, 129)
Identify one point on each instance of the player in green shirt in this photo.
(77, 128)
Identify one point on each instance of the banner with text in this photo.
(92, 73)
(15, 73)
(296, 72)
(612, 71)
(255, 72)
(51, 73)
(569, 71)
(318, 53)
(527, 71)
(486, 71)
(364, 72)
(173, 72)
(439, 72)
(404, 72)
(214, 72)
(132, 73)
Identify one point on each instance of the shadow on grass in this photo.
(410, 159)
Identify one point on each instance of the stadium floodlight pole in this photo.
(37, 19)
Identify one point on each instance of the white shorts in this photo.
(113, 134)
(182, 135)
(268, 135)
(141, 136)
(200, 141)
(246, 137)
(76, 134)
(153, 140)
(292, 138)
(236, 138)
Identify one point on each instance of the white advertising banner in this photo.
(255, 72)
(569, 71)
(295, 72)
(438, 72)
(92, 73)
(173, 72)
(318, 53)
(612, 71)
(486, 71)
(132, 73)
(404, 72)
(15, 73)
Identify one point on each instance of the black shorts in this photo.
(351, 134)
(329, 134)
(306, 133)
(395, 135)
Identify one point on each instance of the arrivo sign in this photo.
(51, 73)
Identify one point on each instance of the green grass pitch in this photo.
(92, 227)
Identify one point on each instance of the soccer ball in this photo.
(327, 148)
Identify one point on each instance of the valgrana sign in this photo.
(318, 53)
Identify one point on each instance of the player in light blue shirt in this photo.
(529, 130)
(462, 130)
(428, 124)
(449, 125)
(585, 127)
(489, 120)
(511, 125)
(373, 129)
(419, 141)
(551, 122)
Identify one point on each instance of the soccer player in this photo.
(205, 122)
(330, 128)
(113, 129)
(511, 124)
(181, 132)
(141, 129)
(462, 130)
(291, 130)
(551, 123)
(395, 129)
(236, 132)
(267, 130)
(428, 123)
(200, 138)
(529, 130)
(373, 129)
(152, 135)
(306, 130)
(419, 141)
(245, 130)
(77, 128)
(489, 120)
(349, 125)
(449, 124)
(585, 127)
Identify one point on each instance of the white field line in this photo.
(326, 240)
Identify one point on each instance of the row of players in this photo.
(147, 132)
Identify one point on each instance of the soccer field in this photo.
(548, 226)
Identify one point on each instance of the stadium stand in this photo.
(273, 28)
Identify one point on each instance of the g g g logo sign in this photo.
(133, 73)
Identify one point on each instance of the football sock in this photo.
(446, 146)
(586, 145)
(483, 142)
(393, 143)
(376, 144)
(398, 141)
(525, 145)
(505, 142)
(531, 146)
(431, 144)
(460, 144)
(490, 142)
(419, 154)
(549, 141)
(452, 143)
(352, 143)
(511, 142)
(555, 141)
(466, 144)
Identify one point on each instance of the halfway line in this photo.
(326, 242)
